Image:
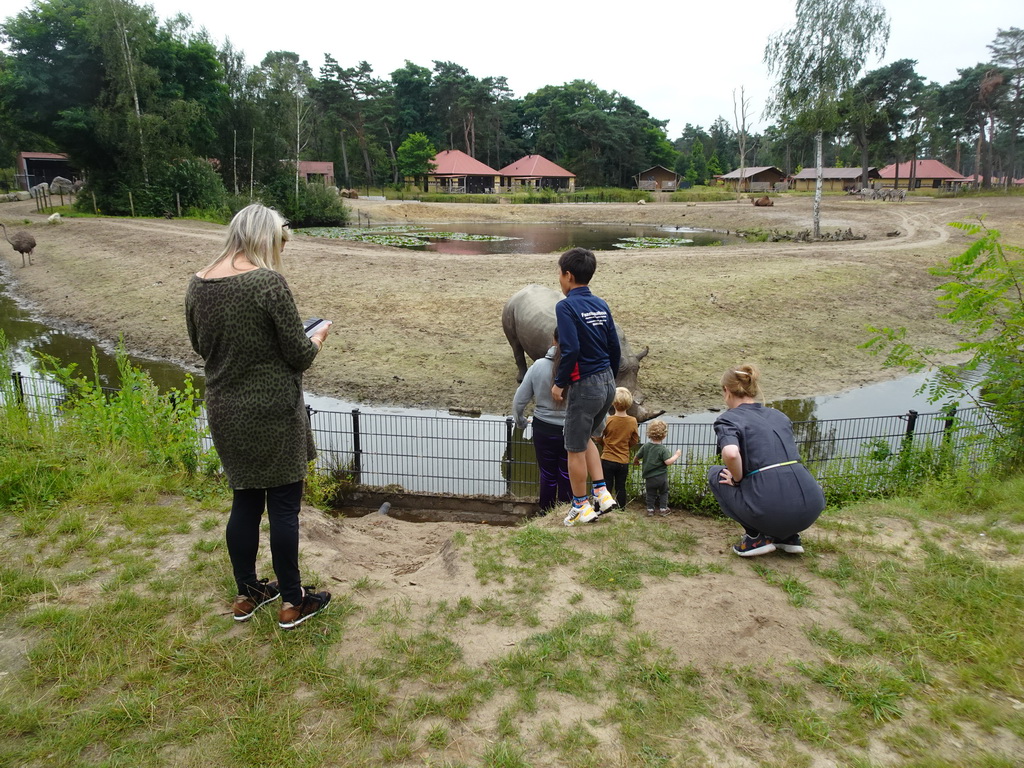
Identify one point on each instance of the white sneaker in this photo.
(581, 514)
(605, 501)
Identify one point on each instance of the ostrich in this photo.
(22, 242)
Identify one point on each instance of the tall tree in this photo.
(1008, 53)
(697, 173)
(54, 76)
(413, 114)
(604, 138)
(416, 157)
(876, 110)
(971, 103)
(286, 81)
(723, 143)
(352, 95)
(818, 59)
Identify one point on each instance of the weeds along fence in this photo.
(488, 456)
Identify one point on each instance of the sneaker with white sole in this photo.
(584, 513)
(291, 615)
(258, 595)
(605, 501)
(792, 545)
(751, 546)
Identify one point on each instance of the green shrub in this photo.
(702, 195)
(318, 206)
(135, 416)
(192, 181)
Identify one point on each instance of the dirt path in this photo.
(423, 329)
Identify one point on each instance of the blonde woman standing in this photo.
(243, 322)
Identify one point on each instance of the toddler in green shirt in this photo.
(655, 459)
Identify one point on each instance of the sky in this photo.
(681, 61)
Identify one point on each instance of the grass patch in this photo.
(118, 647)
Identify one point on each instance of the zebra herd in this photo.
(896, 195)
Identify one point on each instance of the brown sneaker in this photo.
(259, 595)
(290, 616)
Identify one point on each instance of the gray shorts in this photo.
(587, 408)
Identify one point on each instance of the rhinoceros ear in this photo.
(643, 353)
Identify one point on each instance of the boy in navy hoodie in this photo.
(585, 379)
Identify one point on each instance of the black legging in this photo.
(243, 536)
(615, 475)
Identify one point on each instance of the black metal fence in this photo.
(488, 456)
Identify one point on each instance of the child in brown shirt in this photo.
(620, 435)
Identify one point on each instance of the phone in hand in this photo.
(314, 324)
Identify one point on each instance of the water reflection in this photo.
(27, 337)
(555, 238)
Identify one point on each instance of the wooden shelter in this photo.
(756, 178)
(536, 172)
(455, 171)
(833, 179)
(34, 168)
(657, 179)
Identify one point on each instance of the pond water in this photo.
(526, 238)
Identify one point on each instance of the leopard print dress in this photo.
(247, 329)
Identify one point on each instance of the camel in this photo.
(22, 242)
(763, 202)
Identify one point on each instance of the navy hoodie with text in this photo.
(586, 335)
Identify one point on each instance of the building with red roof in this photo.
(455, 171)
(926, 173)
(536, 172)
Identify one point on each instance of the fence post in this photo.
(911, 424)
(908, 435)
(508, 455)
(19, 389)
(357, 448)
(948, 420)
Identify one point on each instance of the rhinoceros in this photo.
(528, 320)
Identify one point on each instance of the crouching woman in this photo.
(761, 485)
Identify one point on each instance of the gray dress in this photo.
(248, 330)
(777, 502)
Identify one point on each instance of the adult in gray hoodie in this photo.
(548, 421)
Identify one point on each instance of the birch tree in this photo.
(124, 32)
(819, 58)
(739, 114)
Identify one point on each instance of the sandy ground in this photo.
(423, 329)
(727, 616)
